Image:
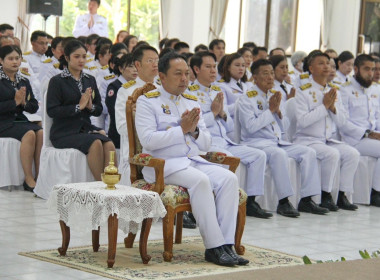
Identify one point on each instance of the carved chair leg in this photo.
(178, 228)
(112, 239)
(240, 224)
(167, 228)
(65, 238)
(145, 229)
(128, 241)
(95, 240)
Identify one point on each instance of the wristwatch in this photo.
(367, 133)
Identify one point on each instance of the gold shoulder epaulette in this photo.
(27, 53)
(333, 86)
(92, 68)
(152, 94)
(221, 81)
(24, 60)
(336, 82)
(85, 67)
(189, 96)
(48, 60)
(105, 67)
(216, 88)
(304, 76)
(193, 87)
(24, 72)
(87, 55)
(252, 93)
(306, 86)
(56, 65)
(291, 72)
(346, 83)
(378, 82)
(129, 84)
(272, 90)
(90, 59)
(109, 77)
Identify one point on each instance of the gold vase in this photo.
(111, 176)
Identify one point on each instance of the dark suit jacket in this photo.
(62, 97)
(9, 112)
(110, 103)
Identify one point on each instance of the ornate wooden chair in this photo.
(175, 198)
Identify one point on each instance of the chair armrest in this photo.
(149, 161)
(222, 158)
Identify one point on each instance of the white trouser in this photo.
(330, 154)
(279, 163)
(255, 161)
(214, 199)
(371, 147)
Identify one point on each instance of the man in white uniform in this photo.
(91, 23)
(361, 100)
(219, 122)
(35, 57)
(320, 112)
(263, 124)
(170, 125)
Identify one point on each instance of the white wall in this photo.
(9, 11)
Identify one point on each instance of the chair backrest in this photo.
(134, 142)
(290, 111)
(237, 125)
(46, 124)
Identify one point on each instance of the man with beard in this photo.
(361, 100)
(320, 112)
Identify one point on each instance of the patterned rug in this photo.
(188, 261)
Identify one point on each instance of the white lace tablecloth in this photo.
(86, 206)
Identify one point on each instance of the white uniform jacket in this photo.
(158, 117)
(100, 26)
(232, 92)
(34, 59)
(49, 68)
(277, 87)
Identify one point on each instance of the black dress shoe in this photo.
(219, 256)
(27, 188)
(343, 203)
(187, 222)
(375, 198)
(236, 257)
(327, 202)
(311, 207)
(287, 210)
(254, 210)
(191, 216)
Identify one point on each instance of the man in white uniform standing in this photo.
(170, 125)
(91, 23)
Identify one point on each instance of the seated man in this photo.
(169, 125)
(319, 113)
(361, 100)
(262, 126)
(219, 122)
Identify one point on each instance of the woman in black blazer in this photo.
(16, 96)
(126, 71)
(73, 97)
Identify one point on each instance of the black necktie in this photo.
(284, 88)
(240, 85)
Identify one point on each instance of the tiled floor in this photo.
(26, 224)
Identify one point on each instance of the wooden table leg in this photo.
(65, 238)
(145, 229)
(95, 240)
(128, 241)
(112, 239)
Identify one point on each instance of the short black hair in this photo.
(36, 34)
(344, 56)
(125, 60)
(117, 47)
(4, 51)
(164, 62)
(243, 50)
(181, 45)
(91, 38)
(249, 45)
(276, 60)
(313, 55)
(276, 49)
(162, 43)
(197, 59)
(138, 53)
(171, 41)
(330, 51)
(83, 39)
(214, 43)
(361, 59)
(56, 41)
(97, 1)
(5, 26)
(165, 51)
(102, 45)
(258, 49)
(306, 60)
(257, 64)
(200, 48)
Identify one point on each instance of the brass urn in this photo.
(111, 176)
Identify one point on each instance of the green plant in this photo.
(364, 254)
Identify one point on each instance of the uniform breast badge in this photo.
(260, 105)
(165, 109)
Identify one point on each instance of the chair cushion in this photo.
(176, 195)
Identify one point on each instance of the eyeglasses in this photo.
(152, 61)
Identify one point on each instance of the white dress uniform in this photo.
(158, 116)
(340, 78)
(262, 129)
(248, 73)
(49, 68)
(34, 59)
(302, 79)
(284, 88)
(100, 26)
(91, 66)
(232, 92)
(253, 159)
(123, 93)
(294, 74)
(362, 105)
(317, 128)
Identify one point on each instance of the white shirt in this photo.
(100, 26)
(34, 59)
